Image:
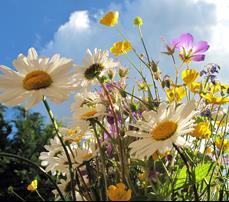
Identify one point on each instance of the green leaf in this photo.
(201, 171)
(181, 178)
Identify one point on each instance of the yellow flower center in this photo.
(164, 130)
(89, 114)
(36, 80)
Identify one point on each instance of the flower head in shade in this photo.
(36, 77)
(110, 19)
(65, 188)
(160, 130)
(94, 64)
(175, 93)
(188, 50)
(32, 186)
(118, 192)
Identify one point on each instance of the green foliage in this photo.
(24, 134)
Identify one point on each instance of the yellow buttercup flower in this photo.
(195, 87)
(32, 186)
(176, 93)
(120, 48)
(202, 130)
(210, 98)
(222, 143)
(118, 192)
(214, 88)
(189, 76)
(110, 19)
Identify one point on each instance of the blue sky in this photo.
(70, 26)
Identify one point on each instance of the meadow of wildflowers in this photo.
(164, 139)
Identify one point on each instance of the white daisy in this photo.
(85, 98)
(74, 135)
(49, 158)
(94, 64)
(159, 130)
(54, 158)
(36, 77)
(86, 154)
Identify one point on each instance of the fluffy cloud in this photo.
(205, 19)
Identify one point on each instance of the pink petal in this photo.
(198, 58)
(201, 47)
(186, 41)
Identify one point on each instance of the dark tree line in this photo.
(24, 134)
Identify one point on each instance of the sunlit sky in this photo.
(70, 26)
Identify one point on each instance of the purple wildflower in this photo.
(188, 50)
(203, 72)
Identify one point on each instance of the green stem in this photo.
(190, 174)
(148, 58)
(119, 136)
(40, 196)
(17, 195)
(102, 158)
(63, 145)
(35, 166)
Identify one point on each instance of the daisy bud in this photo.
(167, 81)
(138, 21)
(111, 74)
(154, 66)
(123, 72)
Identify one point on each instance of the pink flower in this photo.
(188, 50)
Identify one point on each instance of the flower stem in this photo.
(117, 131)
(148, 58)
(40, 196)
(102, 158)
(35, 166)
(63, 145)
(190, 174)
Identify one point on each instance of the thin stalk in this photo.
(189, 172)
(148, 58)
(117, 130)
(35, 166)
(143, 77)
(63, 145)
(102, 158)
(40, 196)
(85, 185)
(17, 195)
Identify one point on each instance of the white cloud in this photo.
(78, 21)
(205, 19)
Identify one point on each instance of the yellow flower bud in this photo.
(138, 21)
